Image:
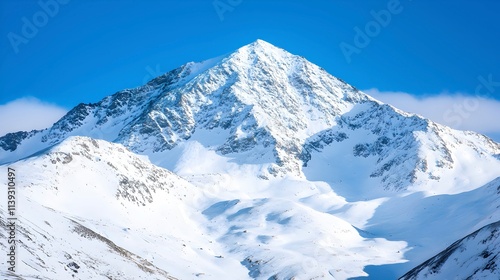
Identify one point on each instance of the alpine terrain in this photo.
(253, 165)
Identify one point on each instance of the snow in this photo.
(256, 164)
(86, 191)
(473, 257)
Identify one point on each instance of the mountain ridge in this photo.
(265, 96)
(265, 153)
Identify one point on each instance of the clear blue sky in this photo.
(85, 50)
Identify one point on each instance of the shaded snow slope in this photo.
(475, 256)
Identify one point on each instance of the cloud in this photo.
(28, 113)
(459, 111)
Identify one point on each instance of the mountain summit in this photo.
(290, 171)
(261, 104)
(260, 96)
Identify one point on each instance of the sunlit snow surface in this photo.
(257, 164)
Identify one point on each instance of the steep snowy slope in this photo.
(475, 256)
(94, 210)
(381, 146)
(52, 245)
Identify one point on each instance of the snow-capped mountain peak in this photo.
(263, 101)
(268, 154)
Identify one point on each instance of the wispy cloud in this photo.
(28, 113)
(457, 110)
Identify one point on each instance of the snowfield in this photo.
(253, 165)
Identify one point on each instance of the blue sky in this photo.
(414, 54)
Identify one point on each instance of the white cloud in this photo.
(28, 113)
(460, 111)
